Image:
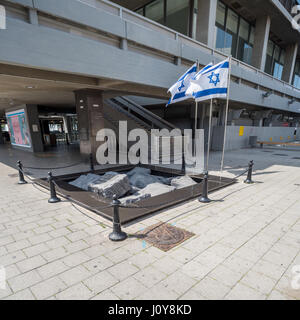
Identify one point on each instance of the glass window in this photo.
(278, 68)
(252, 33)
(155, 11)
(178, 15)
(140, 11)
(221, 9)
(244, 29)
(232, 22)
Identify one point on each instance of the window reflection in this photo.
(274, 60)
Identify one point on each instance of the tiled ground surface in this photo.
(245, 245)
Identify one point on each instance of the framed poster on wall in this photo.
(18, 128)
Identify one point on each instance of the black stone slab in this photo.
(93, 202)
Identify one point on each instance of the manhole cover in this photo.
(280, 154)
(165, 236)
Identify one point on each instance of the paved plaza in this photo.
(246, 243)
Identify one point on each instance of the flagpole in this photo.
(226, 114)
(196, 114)
(209, 134)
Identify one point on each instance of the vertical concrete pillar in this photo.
(261, 37)
(33, 17)
(206, 20)
(289, 62)
(34, 128)
(89, 108)
(1, 137)
(222, 115)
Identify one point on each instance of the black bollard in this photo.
(249, 176)
(21, 175)
(92, 162)
(204, 197)
(183, 169)
(117, 234)
(53, 196)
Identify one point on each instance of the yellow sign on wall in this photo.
(242, 129)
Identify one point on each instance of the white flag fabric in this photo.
(210, 82)
(178, 90)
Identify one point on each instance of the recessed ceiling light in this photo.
(30, 87)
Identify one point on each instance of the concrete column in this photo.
(222, 115)
(1, 137)
(89, 108)
(206, 20)
(289, 62)
(34, 127)
(33, 17)
(261, 37)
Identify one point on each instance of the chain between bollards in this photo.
(53, 196)
(92, 167)
(117, 234)
(204, 196)
(249, 176)
(21, 175)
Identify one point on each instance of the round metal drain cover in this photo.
(165, 236)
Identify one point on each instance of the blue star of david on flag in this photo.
(210, 82)
(214, 78)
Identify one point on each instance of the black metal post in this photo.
(117, 234)
(21, 175)
(249, 176)
(183, 168)
(204, 197)
(92, 163)
(53, 196)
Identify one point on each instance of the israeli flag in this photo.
(210, 82)
(178, 90)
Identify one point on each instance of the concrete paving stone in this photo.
(259, 282)
(28, 226)
(74, 275)
(280, 259)
(78, 235)
(76, 246)
(44, 229)
(209, 259)
(98, 264)
(178, 282)
(6, 240)
(52, 269)
(57, 242)
(100, 282)
(158, 292)
(76, 292)
(225, 275)
(48, 288)
(284, 285)
(31, 263)
(21, 295)
(149, 276)
(18, 245)
(11, 271)
(75, 259)
(23, 235)
(277, 295)
(57, 233)
(5, 292)
(24, 280)
(123, 270)
(117, 255)
(142, 260)
(128, 289)
(12, 257)
(36, 250)
(243, 292)
(211, 289)
(192, 295)
(39, 238)
(167, 265)
(94, 251)
(238, 264)
(106, 295)
(55, 254)
(195, 270)
(182, 255)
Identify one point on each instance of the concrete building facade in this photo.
(69, 57)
